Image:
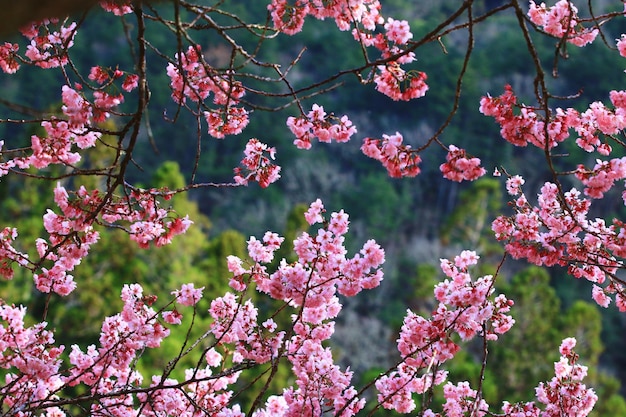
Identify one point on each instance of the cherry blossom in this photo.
(556, 228)
(318, 124)
(48, 48)
(117, 7)
(257, 165)
(459, 167)
(8, 61)
(399, 159)
(561, 20)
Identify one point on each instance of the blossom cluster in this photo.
(364, 18)
(562, 21)
(8, 254)
(72, 233)
(398, 84)
(117, 7)
(75, 129)
(399, 159)
(465, 308)
(289, 19)
(558, 231)
(459, 166)
(192, 78)
(29, 358)
(521, 124)
(564, 395)
(257, 165)
(566, 391)
(318, 124)
(309, 285)
(48, 47)
(8, 57)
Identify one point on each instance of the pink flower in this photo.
(567, 345)
(188, 295)
(314, 213)
(398, 31)
(172, 317)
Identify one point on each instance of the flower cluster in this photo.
(310, 285)
(192, 78)
(564, 395)
(562, 21)
(258, 165)
(398, 84)
(391, 79)
(318, 124)
(8, 57)
(8, 254)
(72, 233)
(521, 125)
(399, 160)
(459, 167)
(29, 358)
(48, 47)
(104, 76)
(621, 45)
(602, 177)
(465, 308)
(566, 391)
(64, 135)
(117, 7)
(289, 19)
(559, 232)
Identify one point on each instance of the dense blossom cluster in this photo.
(559, 232)
(289, 18)
(562, 21)
(48, 47)
(310, 285)
(399, 159)
(8, 254)
(72, 232)
(191, 77)
(521, 124)
(459, 166)
(465, 308)
(75, 129)
(258, 165)
(318, 124)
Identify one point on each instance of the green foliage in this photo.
(469, 225)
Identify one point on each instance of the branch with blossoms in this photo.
(239, 340)
(557, 230)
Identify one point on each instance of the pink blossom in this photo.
(8, 61)
(398, 31)
(188, 295)
(318, 124)
(172, 317)
(117, 7)
(400, 160)
(258, 165)
(314, 213)
(460, 167)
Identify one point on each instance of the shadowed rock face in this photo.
(17, 13)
